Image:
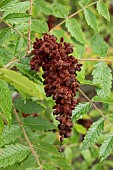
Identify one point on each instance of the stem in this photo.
(95, 107)
(27, 139)
(94, 59)
(29, 31)
(72, 15)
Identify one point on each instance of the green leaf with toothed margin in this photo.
(93, 134)
(75, 30)
(5, 100)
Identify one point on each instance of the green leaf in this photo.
(43, 7)
(81, 75)
(38, 123)
(75, 30)
(13, 153)
(48, 148)
(29, 106)
(25, 68)
(39, 26)
(84, 2)
(1, 125)
(103, 76)
(103, 100)
(19, 45)
(98, 45)
(10, 134)
(5, 55)
(21, 83)
(19, 7)
(80, 48)
(17, 18)
(91, 19)
(5, 35)
(80, 128)
(106, 148)
(93, 134)
(80, 110)
(61, 163)
(4, 2)
(5, 100)
(59, 10)
(103, 10)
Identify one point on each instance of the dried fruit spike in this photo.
(59, 77)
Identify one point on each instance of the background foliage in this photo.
(29, 137)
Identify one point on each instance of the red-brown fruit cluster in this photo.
(59, 77)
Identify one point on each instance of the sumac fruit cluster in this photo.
(59, 77)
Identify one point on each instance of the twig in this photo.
(95, 107)
(27, 139)
(10, 63)
(72, 15)
(29, 31)
(94, 59)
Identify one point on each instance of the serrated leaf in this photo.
(80, 110)
(43, 7)
(39, 26)
(19, 45)
(5, 100)
(84, 2)
(93, 134)
(13, 153)
(103, 10)
(59, 10)
(19, 7)
(29, 106)
(75, 30)
(47, 148)
(103, 100)
(4, 2)
(5, 55)
(106, 148)
(16, 18)
(91, 19)
(5, 34)
(103, 76)
(21, 83)
(38, 123)
(10, 134)
(80, 48)
(99, 46)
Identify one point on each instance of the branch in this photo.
(95, 107)
(72, 15)
(29, 31)
(27, 139)
(94, 59)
